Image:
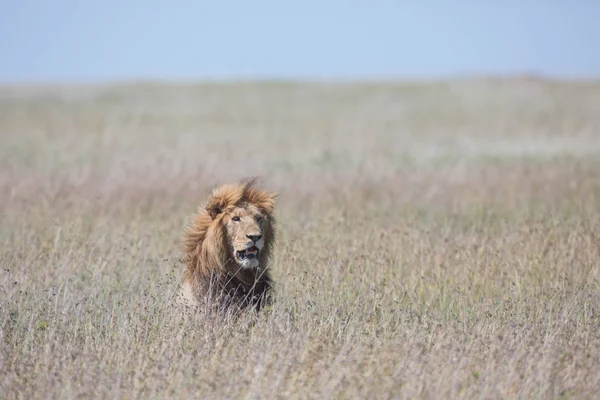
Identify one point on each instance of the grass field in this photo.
(436, 240)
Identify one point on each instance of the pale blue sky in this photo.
(78, 40)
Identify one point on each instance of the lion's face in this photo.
(245, 227)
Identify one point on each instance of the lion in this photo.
(228, 246)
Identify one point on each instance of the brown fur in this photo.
(211, 269)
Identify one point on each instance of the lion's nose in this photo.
(254, 238)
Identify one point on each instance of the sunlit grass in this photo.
(436, 240)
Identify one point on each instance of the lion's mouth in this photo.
(248, 254)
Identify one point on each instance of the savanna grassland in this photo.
(436, 240)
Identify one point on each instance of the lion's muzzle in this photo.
(250, 253)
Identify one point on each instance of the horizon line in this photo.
(524, 75)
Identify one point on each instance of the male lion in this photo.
(228, 246)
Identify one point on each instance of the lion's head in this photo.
(246, 234)
(231, 239)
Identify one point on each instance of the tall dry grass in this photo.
(437, 240)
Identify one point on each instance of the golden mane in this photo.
(206, 248)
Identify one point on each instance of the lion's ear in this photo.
(214, 208)
(268, 204)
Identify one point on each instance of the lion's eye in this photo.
(236, 218)
(258, 219)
